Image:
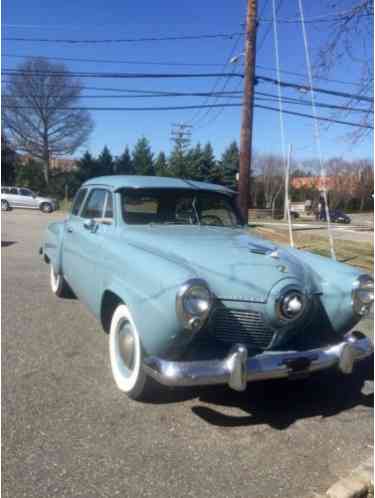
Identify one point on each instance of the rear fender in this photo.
(53, 244)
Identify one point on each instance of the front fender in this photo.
(154, 314)
(334, 281)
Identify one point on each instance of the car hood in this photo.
(236, 265)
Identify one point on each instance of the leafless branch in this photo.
(37, 112)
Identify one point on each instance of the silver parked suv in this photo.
(19, 197)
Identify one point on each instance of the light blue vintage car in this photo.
(189, 297)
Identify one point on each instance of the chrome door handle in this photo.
(69, 230)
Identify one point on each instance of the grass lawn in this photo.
(352, 252)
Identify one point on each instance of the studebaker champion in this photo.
(190, 297)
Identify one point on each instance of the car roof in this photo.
(117, 182)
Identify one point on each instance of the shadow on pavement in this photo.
(279, 403)
(7, 243)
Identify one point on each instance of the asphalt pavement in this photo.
(68, 431)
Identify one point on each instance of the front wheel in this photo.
(58, 284)
(5, 205)
(125, 351)
(46, 207)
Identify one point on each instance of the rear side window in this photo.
(77, 203)
(14, 191)
(94, 205)
(26, 192)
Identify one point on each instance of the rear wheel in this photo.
(5, 205)
(46, 207)
(125, 351)
(58, 284)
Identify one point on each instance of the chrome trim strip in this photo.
(237, 369)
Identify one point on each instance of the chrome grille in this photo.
(245, 326)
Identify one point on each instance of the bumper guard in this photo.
(237, 369)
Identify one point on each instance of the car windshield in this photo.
(178, 207)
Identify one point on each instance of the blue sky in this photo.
(133, 19)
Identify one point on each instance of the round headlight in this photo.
(193, 303)
(363, 294)
(290, 305)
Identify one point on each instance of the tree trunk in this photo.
(46, 156)
(46, 167)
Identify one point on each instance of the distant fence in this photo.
(265, 213)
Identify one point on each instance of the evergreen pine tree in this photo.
(105, 162)
(31, 175)
(161, 165)
(86, 167)
(143, 158)
(178, 163)
(230, 162)
(124, 164)
(208, 163)
(195, 160)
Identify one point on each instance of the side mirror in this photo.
(90, 225)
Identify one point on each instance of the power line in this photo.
(167, 63)
(294, 73)
(339, 16)
(327, 17)
(267, 79)
(269, 28)
(196, 114)
(308, 89)
(111, 61)
(223, 36)
(260, 96)
(16, 72)
(177, 108)
(321, 118)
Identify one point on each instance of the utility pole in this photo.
(248, 107)
(181, 136)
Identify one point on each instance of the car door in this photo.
(82, 245)
(13, 198)
(26, 198)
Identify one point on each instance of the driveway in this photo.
(68, 432)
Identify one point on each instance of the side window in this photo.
(5, 190)
(109, 208)
(94, 205)
(77, 203)
(140, 208)
(25, 192)
(14, 191)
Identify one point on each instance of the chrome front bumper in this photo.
(237, 369)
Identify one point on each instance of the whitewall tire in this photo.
(58, 284)
(125, 351)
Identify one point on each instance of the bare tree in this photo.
(38, 111)
(349, 41)
(364, 173)
(268, 170)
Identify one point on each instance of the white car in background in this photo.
(19, 197)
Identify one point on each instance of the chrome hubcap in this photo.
(126, 345)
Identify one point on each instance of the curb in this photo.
(358, 484)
